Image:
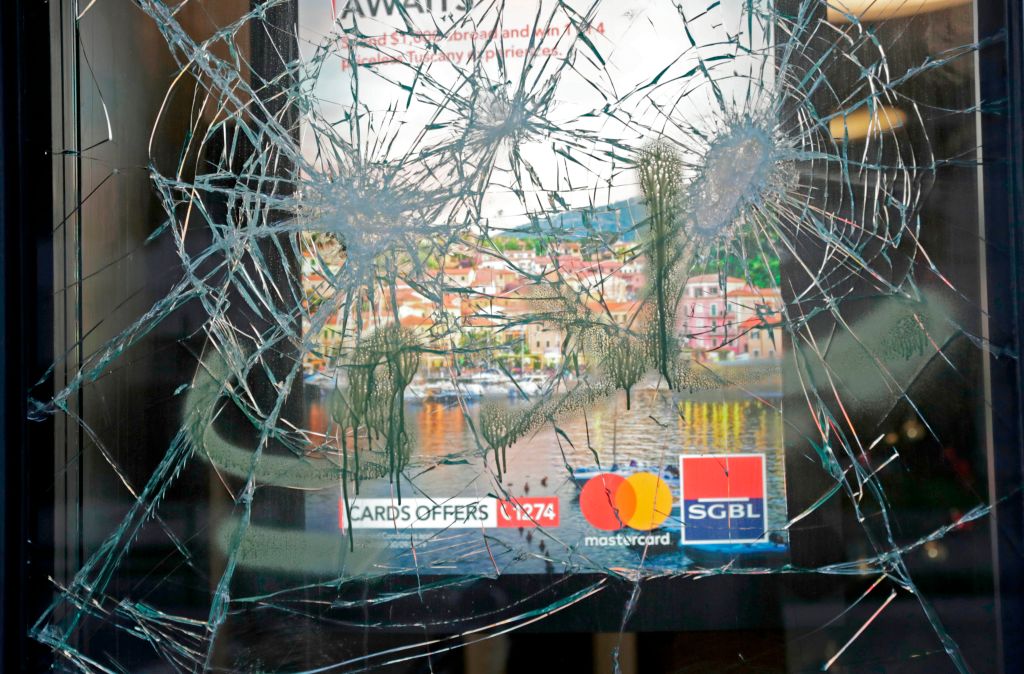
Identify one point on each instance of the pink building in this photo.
(713, 311)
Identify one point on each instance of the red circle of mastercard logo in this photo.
(641, 501)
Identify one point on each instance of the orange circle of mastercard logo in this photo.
(641, 501)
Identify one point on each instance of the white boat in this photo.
(443, 391)
(415, 393)
(488, 383)
(584, 474)
(669, 473)
(527, 387)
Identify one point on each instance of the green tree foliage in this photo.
(752, 268)
(660, 173)
(625, 360)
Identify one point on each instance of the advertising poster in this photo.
(505, 471)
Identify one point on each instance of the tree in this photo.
(625, 360)
(660, 171)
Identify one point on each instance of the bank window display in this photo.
(449, 335)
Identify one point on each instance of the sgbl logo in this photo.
(722, 511)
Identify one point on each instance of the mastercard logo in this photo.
(641, 501)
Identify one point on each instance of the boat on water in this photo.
(487, 383)
(526, 387)
(475, 387)
(442, 391)
(439, 391)
(415, 393)
(469, 388)
(583, 474)
(322, 379)
(668, 473)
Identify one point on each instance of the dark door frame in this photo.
(26, 328)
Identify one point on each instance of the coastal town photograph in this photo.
(482, 318)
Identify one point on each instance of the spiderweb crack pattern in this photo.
(758, 147)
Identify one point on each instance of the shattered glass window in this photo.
(479, 336)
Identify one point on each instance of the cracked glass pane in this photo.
(450, 335)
